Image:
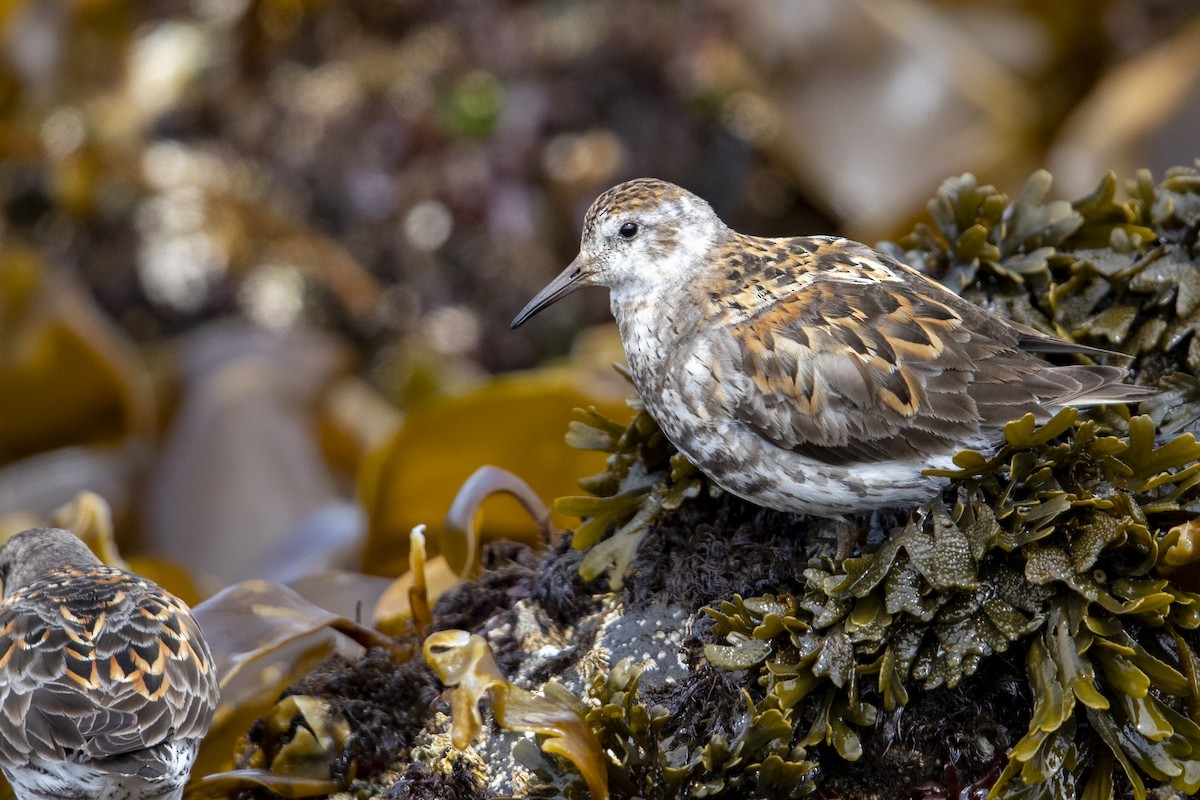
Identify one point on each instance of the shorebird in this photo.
(106, 683)
(810, 374)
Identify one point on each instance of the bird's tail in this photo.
(1099, 384)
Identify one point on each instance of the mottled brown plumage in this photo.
(106, 683)
(810, 374)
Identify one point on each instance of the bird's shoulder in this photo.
(752, 275)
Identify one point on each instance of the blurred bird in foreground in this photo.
(106, 683)
(810, 374)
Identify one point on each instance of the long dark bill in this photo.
(567, 281)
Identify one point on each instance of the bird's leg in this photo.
(855, 530)
(849, 531)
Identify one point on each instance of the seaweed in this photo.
(757, 759)
(465, 663)
(644, 476)
(1048, 543)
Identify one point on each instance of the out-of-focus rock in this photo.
(329, 537)
(30, 489)
(241, 462)
(875, 102)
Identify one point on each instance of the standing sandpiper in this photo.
(106, 683)
(810, 374)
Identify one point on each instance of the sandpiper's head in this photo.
(32, 553)
(641, 234)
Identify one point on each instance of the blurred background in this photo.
(258, 258)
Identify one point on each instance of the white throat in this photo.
(658, 307)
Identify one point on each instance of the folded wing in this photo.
(105, 665)
(853, 372)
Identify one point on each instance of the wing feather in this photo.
(140, 676)
(848, 370)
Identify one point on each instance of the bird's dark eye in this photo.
(628, 230)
